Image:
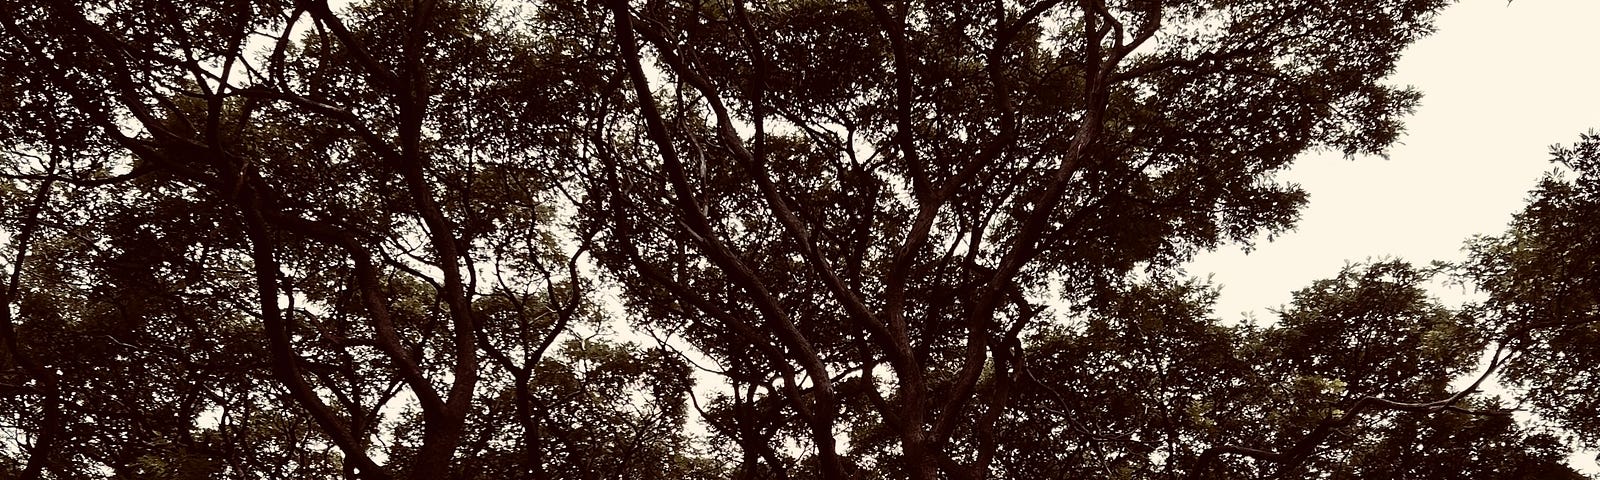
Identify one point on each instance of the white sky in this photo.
(1501, 83)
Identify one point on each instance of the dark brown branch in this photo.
(324, 15)
(285, 361)
(50, 422)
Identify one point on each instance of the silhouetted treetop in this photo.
(442, 239)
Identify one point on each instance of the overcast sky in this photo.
(1501, 84)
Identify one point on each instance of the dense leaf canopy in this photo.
(477, 239)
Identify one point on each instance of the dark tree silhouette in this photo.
(440, 239)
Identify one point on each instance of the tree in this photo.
(1151, 385)
(879, 233)
(427, 239)
(270, 190)
(1540, 278)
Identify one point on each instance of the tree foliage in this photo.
(690, 239)
(1541, 278)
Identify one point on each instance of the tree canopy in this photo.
(464, 239)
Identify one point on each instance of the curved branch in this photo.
(1302, 450)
